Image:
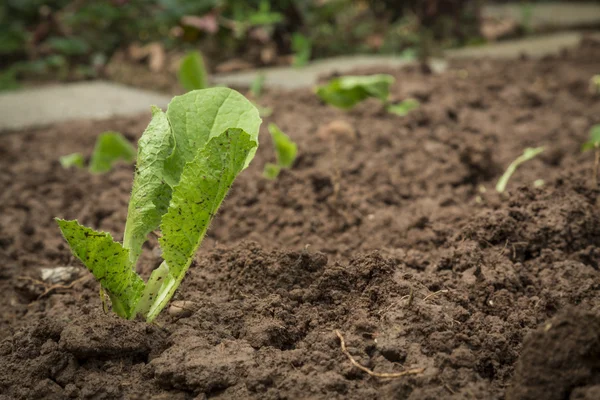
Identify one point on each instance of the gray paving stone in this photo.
(549, 15)
(84, 100)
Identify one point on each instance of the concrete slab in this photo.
(548, 15)
(533, 46)
(292, 78)
(84, 100)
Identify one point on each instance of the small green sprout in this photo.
(110, 148)
(594, 144)
(404, 107)
(527, 155)
(347, 91)
(302, 47)
(192, 72)
(285, 151)
(256, 87)
(187, 160)
(595, 84)
(72, 160)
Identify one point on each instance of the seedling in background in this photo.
(404, 107)
(256, 87)
(187, 160)
(192, 72)
(594, 144)
(285, 151)
(110, 147)
(72, 160)
(595, 84)
(302, 47)
(347, 91)
(527, 155)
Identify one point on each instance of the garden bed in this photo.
(387, 229)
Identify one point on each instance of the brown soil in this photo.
(391, 234)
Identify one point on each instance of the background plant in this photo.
(285, 152)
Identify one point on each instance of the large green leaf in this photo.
(110, 148)
(151, 194)
(109, 263)
(204, 184)
(200, 115)
(347, 91)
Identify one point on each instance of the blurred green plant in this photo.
(594, 144)
(404, 107)
(110, 147)
(192, 72)
(285, 151)
(347, 91)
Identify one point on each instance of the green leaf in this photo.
(110, 148)
(109, 263)
(527, 155)
(192, 72)
(70, 46)
(285, 149)
(151, 194)
(257, 84)
(72, 160)
(302, 47)
(201, 115)
(595, 134)
(594, 142)
(346, 91)
(403, 108)
(271, 171)
(204, 184)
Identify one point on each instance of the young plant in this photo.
(192, 72)
(347, 91)
(302, 47)
(404, 107)
(72, 160)
(285, 151)
(594, 144)
(256, 87)
(527, 155)
(187, 160)
(110, 147)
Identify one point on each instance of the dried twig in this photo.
(436, 293)
(370, 372)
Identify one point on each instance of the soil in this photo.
(387, 229)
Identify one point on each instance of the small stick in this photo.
(435, 293)
(370, 372)
(596, 165)
(411, 297)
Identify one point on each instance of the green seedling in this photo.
(527, 155)
(72, 160)
(594, 144)
(404, 107)
(192, 72)
(110, 148)
(187, 160)
(285, 151)
(302, 47)
(595, 84)
(256, 87)
(347, 91)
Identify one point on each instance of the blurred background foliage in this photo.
(77, 39)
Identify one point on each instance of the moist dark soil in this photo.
(387, 229)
